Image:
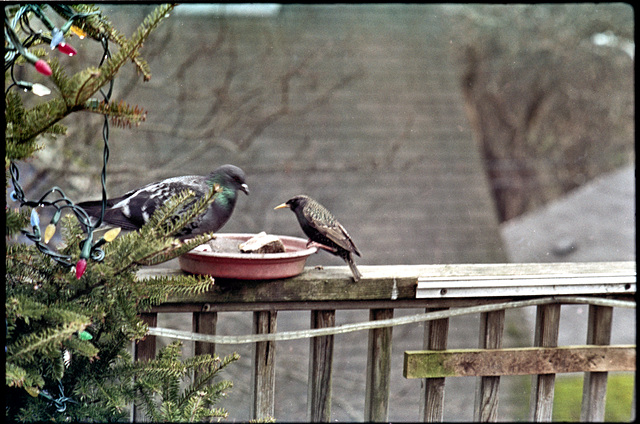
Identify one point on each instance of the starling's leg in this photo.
(321, 246)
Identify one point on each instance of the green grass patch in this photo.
(568, 397)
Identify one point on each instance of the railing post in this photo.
(320, 367)
(543, 385)
(432, 391)
(264, 367)
(376, 406)
(594, 390)
(486, 403)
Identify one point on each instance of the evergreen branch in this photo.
(176, 249)
(24, 308)
(154, 291)
(37, 121)
(122, 115)
(45, 342)
(82, 347)
(83, 85)
(16, 376)
(209, 367)
(157, 223)
(94, 25)
(152, 243)
(48, 308)
(14, 111)
(64, 315)
(190, 211)
(15, 221)
(128, 50)
(147, 402)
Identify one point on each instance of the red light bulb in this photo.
(66, 49)
(81, 266)
(43, 67)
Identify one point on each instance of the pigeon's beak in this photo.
(245, 188)
(282, 206)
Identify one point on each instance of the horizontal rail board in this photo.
(525, 285)
(390, 283)
(518, 361)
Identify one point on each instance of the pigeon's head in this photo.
(295, 202)
(231, 176)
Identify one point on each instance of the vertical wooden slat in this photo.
(144, 350)
(543, 385)
(204, 323)
(264, 366)
(432, 393)
(320, 368)
(376, 407)
(594, 390)
(486, 402)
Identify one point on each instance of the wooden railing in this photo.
(444, 291)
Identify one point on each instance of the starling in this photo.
(132, 210)
(323, 228)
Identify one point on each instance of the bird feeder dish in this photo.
(226, 263)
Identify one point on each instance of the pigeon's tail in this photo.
(348, 257)
(93, 208)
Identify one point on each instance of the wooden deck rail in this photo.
(442, 290)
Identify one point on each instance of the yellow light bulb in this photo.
(111, 235)
(49, 232)
(77, 31)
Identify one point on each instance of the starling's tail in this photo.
(354, 270)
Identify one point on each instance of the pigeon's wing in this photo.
(322, 220)
(134, 209)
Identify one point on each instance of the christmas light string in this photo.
(61, 402)
(56, 40)
(89, 249)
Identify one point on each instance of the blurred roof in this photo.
(595, 222)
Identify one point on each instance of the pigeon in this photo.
(132, 210)
(324, 229)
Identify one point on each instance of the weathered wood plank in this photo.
(432, 391)
(264, 367)
(378, 376)
(486, 401)
(518, 361)
(594, 389)
(530, 285)
(144, 350)
(320, 368)
(383, 283)
(543, 385)
(204, 323)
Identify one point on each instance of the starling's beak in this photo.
(284, 205)
(245, 188)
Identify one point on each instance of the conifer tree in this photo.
(67, 332)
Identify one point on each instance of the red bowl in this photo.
(248, 266)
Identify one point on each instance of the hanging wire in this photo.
(61, 402)
(14, 48)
